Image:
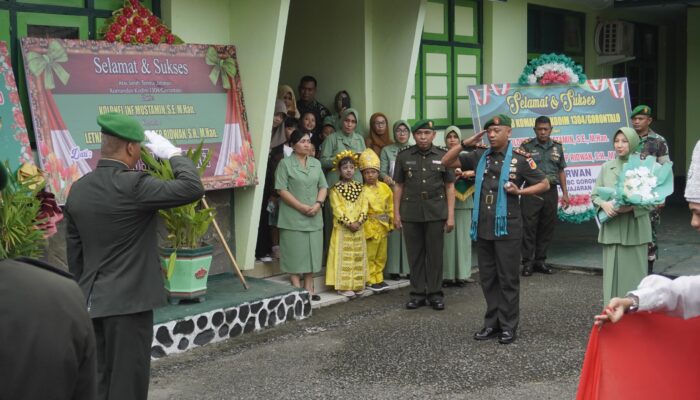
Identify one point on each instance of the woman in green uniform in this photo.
(302, 188)
(628, 231)
(457, 251)
(396, 262)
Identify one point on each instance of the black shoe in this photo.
(375, 287)
(506, 337)
(544, 268)
(415, 303)
(527, 270)
(447, 283)
(487, 333)
(384, 285)
(315, 297)
(437, 305)
(394, 277)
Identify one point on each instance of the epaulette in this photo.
(405, 148)
(443, 148)
(521, 152)
(528, 140)
(557, 141)
(481, 146)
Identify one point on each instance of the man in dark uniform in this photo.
(501, 172)
(424, 208)
(112, 248)
(540, 212)
(307, 103)
(47, 347)
(650, 144)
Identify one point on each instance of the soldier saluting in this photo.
(501, 172)
(540, 212)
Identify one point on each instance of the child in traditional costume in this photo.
(380, 219)
(346, 266)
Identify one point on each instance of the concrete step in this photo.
(330, 297)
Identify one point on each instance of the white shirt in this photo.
(679, 297)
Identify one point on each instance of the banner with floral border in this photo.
(188, 93)
(14, 140)
(584, 116)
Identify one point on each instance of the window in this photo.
(449, 61)
(553, 30)
(642, 73)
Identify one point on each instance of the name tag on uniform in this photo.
(410, 163)
(437, 162)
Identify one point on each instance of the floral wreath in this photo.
(552, 69)
(579, 210)
(355, 157)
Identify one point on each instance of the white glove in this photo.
(160, 146)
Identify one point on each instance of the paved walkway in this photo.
(577, 246)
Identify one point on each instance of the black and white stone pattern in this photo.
(214, 326)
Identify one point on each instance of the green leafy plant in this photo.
(20, 235)
(186, 225)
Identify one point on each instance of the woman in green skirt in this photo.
(628, 231)
(396, 262)
(457, 250)
(302, 187)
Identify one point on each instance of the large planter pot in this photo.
(189, 278)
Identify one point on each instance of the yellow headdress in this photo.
(345, 154)
(369, 159)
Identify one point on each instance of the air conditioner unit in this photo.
(614, 42)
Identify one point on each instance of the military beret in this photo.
(121, 126)
(499, 119)
(3, 176)
(641, 110)
(422, 124)
(328, 120)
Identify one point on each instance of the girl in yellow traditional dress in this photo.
(346, 266)
(380, 219)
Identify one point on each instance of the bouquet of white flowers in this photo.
(642, 183)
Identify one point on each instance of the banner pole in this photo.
(228, 250)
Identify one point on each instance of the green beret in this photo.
(641, 110)
(422, 124)
(3, 176)
(328, 120)
(499, 119)
(121, 126)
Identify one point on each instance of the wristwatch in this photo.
(320, 203)
(635, 303)
(465, 148)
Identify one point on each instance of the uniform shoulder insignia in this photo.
(557, 141)
(405, 148)
(481, 146)
(528, 140)
(443, 148)
(521, 152)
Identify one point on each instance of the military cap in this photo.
(3, 176)
(422, 124)
(499, 119)
(641, 110)
(121, 126)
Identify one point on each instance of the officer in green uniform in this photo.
(501, 171)
(651, 144)
(113, 251)
(47, 349)
(424, 208)
(540, 212)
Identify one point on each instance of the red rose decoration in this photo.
(153, 20)
(140, 37)
(170, 39)
(126, 38)
(134, 23)
(110, 37)
(121, 20)
(127, 12)
(134, 3)
(115, 29)
(144, 12)
(155, 37)
(137, 22)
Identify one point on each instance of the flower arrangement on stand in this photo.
(642, 183)
(579, 210)
(552, 69)
(136, 24)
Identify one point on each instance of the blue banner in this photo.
(584, 118)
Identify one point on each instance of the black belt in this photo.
(424, 195)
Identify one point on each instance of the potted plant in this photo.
(186, 258)
(20, 228)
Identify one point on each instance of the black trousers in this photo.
(424, 243)
(499, 264)
(539, 218)
(123, 355)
